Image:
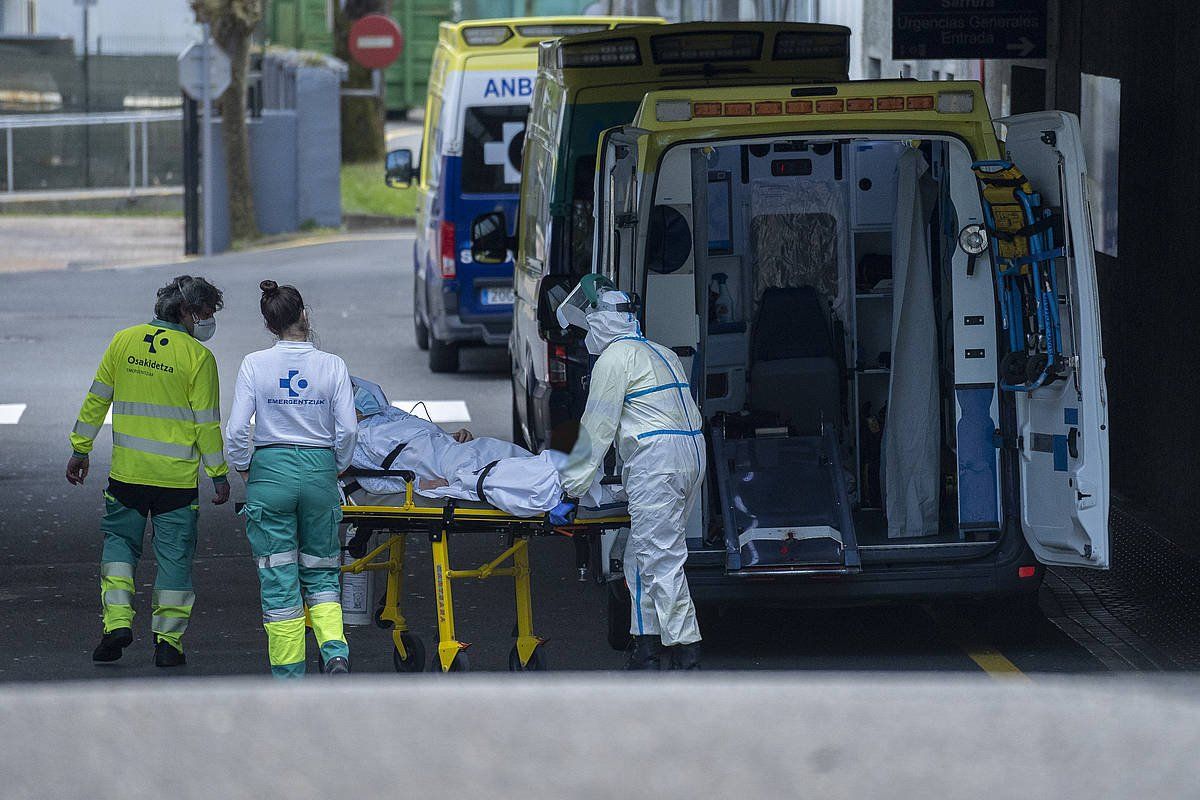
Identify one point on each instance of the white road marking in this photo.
(10, 413)
(436, 410)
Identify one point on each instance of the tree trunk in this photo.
(236, 136)
(362, 117)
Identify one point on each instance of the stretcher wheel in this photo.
(1035, 366)
(460, 663)
(416, 654)
(380, 622)
(537, 662)
(619, 609)
(1012, 368)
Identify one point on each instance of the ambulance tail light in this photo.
(920, 102)
(805, 46)
(955, 102)
(487, 34)
(612, 53)
(557, 366)
(700, 48)
(447, 245)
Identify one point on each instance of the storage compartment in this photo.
(826, 323)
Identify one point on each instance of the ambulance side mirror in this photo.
(398, 169)
(490, 242)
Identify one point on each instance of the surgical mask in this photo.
(595, 345)
(203, 329)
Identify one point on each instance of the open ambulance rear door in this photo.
(1063, 427)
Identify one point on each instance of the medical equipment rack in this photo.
(438, 519)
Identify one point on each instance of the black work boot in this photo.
(338, 665)
(685, 656)
(166, 655)
(645, 653)
(111, 645)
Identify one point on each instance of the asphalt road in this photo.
(54, 326)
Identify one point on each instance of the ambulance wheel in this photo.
(443, 356)
(1012, 368)
(460, 663)
(619, 609)
(536, 663)
(420, 332)
(416, 654)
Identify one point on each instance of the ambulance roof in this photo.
(921, 107)
(517, 36)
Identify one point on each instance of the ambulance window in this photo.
(720, 213)
(582, 219)
(492, 140)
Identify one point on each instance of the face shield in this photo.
(581, 301)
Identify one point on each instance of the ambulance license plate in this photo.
(496, 297)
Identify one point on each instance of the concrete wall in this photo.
(1151, 317)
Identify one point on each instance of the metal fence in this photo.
(68, 151)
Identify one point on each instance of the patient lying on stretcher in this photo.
(451, 465)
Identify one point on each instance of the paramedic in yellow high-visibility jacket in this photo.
(162, 385)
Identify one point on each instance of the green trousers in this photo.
(174, 548)
(292, 515)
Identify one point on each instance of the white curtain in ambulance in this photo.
(911, 438)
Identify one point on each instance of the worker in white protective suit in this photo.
(639, 395)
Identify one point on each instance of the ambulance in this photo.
(889, 316)
(480, 86)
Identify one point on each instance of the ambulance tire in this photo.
(619, 608)
(416, 654)
(420, 329)
(536, 663)
(443, 356)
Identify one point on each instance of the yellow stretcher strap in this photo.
(998, 188)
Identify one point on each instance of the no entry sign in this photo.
(375, 41)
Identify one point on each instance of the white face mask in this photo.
(203, 329)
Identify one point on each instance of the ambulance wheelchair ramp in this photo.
(784, 505)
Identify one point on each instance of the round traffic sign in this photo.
(375, 41)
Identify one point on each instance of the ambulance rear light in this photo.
(890, 104)
(673, 110)
(860, 104)
(739, 109)
(564, 29)
(831, 106)
(1026, 572)
(706, 109)
(955, 102)
(768, 108)
(556, 366)
(799, 106)
(487, 34)
(702, 48)
(447, 245)
(920, 102)
(801, 46)
(612, 53)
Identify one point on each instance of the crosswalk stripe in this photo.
(10, 413)
(436, 410)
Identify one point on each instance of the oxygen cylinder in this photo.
(358, 590)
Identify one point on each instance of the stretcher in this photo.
(1022, 235)
(398, 516)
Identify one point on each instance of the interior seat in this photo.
(794, 372)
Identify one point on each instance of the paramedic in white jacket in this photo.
(638, 395)
(304, 433)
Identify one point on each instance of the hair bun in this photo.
(269, 287)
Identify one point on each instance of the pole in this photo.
(87, 104)
(8, 148)
(206, 141)
(132, 161)
(145, 155)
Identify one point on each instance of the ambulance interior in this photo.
(821, 271)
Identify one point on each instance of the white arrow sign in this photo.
(191, 71)
(1024, 44)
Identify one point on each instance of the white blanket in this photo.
(520, 483)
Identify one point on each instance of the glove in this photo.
(563, 513)
(220, 491)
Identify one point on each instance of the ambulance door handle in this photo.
(1073, 443)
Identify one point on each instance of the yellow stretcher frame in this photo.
(438, 522)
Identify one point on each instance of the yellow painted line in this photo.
(994, 663)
